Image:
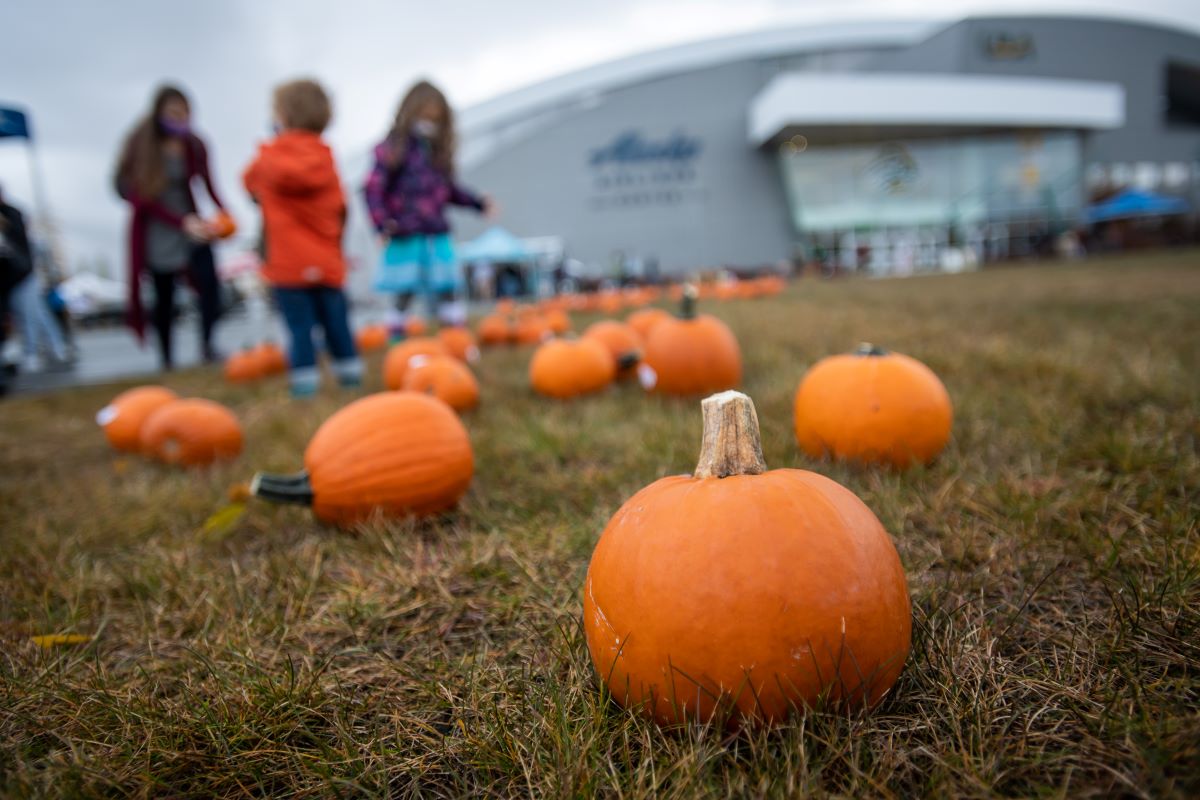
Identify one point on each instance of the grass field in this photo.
(1053, 554)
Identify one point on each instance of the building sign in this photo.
(635, 170)
(1008, 46)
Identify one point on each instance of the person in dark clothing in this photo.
(159, 161)
(23, 295)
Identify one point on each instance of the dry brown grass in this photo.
(1052, 552)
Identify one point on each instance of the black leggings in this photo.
(202, 274)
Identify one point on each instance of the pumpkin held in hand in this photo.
(694, 354)
(744, 592)
(122, 419)
(873, 407)
(191, 432)
(222, 225)
(620, 340)
(565, 368)
(444, 377)
(400, 453)
(395, 363)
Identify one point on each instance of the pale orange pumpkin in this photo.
(494, 329)
(271, 358)
(531, 329)
(694, 354)
(459, 343)
(744, 594)
(395, 363)
(416, 326)
(244, 366)
(873, 407)
(446, 378)
(122, 419)
(558, 321)
(371, 338)
(564, 368)
(397, 453)
(622, 342)
(644, 320)
(191, 432)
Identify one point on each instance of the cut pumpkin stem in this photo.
(629, 360)
(687, 308)
(868, 349)
(732, 443)
(295, 488)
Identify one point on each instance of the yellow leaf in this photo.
(224, 518)
(49, 640)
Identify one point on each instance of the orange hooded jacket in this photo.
(294, 180)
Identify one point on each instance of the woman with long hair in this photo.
(160, 159)
(410, 185)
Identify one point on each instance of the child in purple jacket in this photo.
(407, 192)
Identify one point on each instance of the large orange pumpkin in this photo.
(694, 354)
(621, 340)
(494, 329)
(744, 592)
(565, 368)
(244, 366)
(371, 338)
(444, 377)
(643, 321)
(395, 363)
(191, 432)
(459, 343)
(873, 407)
(122, 419)
(401, 453)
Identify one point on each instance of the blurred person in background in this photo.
(160, 159)
(22, 294)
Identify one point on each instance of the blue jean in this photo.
(38, 327)
(303, 310)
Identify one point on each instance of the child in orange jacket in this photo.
(294, 180)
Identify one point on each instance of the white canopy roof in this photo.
(894, 104)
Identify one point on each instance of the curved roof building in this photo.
(748, 150)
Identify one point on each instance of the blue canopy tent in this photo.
(1132, 203)
(496, 245)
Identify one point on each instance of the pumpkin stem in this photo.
(283, 488)
(732, 444)
(868, 349)
(629, 360)
(687, 308)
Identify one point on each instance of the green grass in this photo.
(1052, 553)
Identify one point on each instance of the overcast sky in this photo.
(85, 70)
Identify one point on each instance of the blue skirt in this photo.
(418, 264)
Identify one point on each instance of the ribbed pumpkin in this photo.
(459, 343)
(564, 368)
(122, 419)
(531, 329)
(694, 354)
(371, 338)
(643, 321)
(744, 593)
(191, 432)
(444, 377)
(494, 329)
(271, 358)
(395, 363)
(243, 366)
(401, 453)
(622, 342)
(558, 321)
(873, 407)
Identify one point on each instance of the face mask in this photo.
(173, 128)
(425, 128)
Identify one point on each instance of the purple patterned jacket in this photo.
(412, 199)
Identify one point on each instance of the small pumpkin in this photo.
(494, 329)
(222, 225)
(244, 366)
(191, 432)
(122, 419)
(744, 593)
(610, 301)
(622, 342)
(873, 407)
(459, 343)
(532, 329)
(371, 338)
(399, 453)
(564, 368)
(271, 358)
(415, 326)
(446, 378)
(558, 321)
(694, 354)
(644, 320)
(395, 363)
